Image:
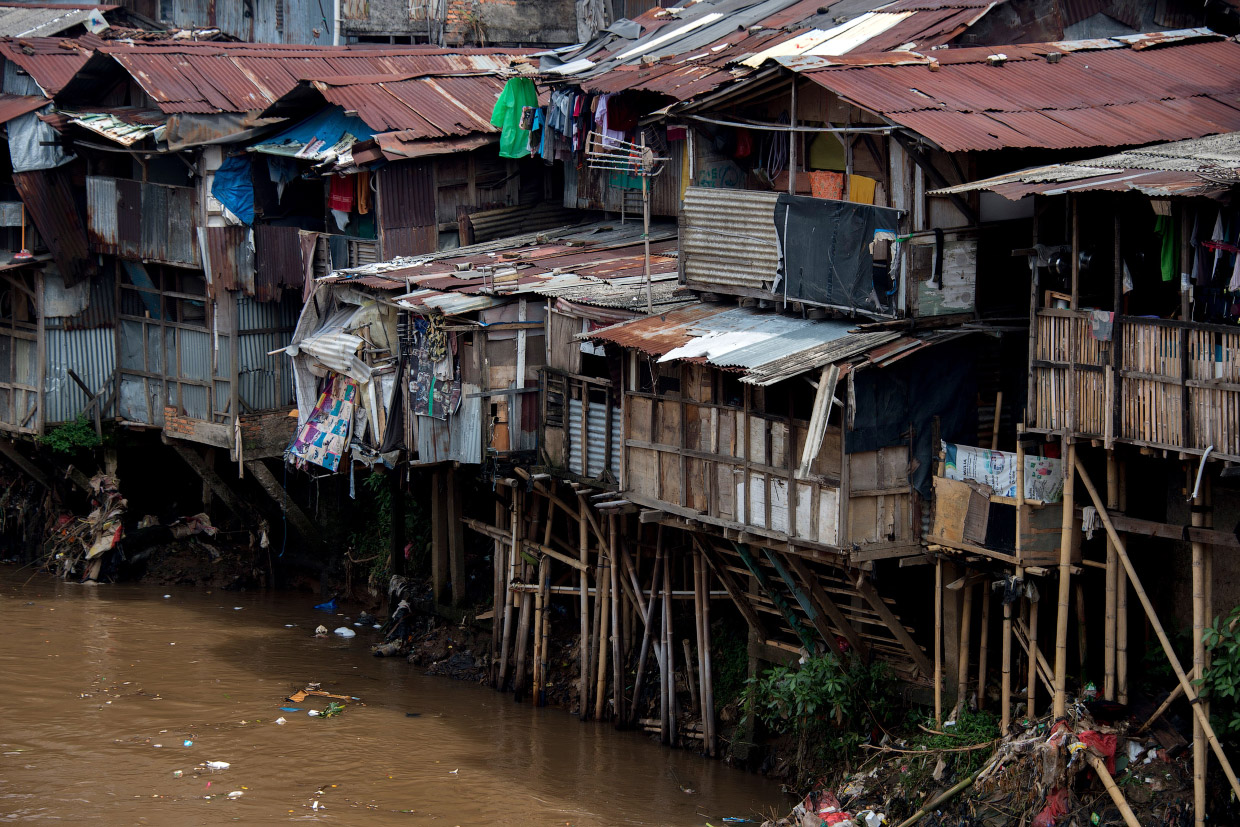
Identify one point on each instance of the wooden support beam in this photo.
(1193, 534)
(778, 599)
(1067, 529)
(806, 604)
(734, 591)
(10, 452)
(1189, 692)
(300, 520)
(866, 589)
(456, 538)
(827, 605)
(538, 548)
(215, 482)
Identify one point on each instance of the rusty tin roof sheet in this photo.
(202, 78)
(595, 262)
(51, 62)
(766, 347)
(1199, 167)
(1109, 93)
(12, 106)
(699, 47)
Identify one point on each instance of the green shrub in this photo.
(72, 437)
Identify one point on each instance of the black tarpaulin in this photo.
(826, 254)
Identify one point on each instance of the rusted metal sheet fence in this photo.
(728, 239)
(137, 220)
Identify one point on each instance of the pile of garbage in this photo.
(1081, 769)
(79, 545)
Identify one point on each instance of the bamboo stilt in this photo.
(1112, 575)
(498, 595)
(692, 670)
(962, 654)
(655, 579)
(520, 675)
(1121, 803)
(1189, 692)
(1005, 693)
(1171, 698)
(617, 610)
(669, 656)
(1065, 584)
(983, 646)
(1031, 690)
(708, 683)
(501, 681)
(604, 637)
(938, 644)
(1121, 606)
(583, 540)
(1200, 755)
(539, 658)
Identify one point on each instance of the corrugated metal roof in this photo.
(126, 126)
(767, 347)
(1110, 93)
(695, 48)
(44, 19)
(13, 106)
(1202, 166)
(188, 77)
(51, 62)
(602, 262)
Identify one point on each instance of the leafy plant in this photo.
(333, 709)
(829, 707)
(73, 436)
(1221, 682)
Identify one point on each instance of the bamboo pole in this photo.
(1189, 692)
(983, 646)
(994, 431)
(665, 673)
(692, 671)
(1031, 690)
(698, 599)
(1005, 696)
(962, 655)
(708, 681)
(1121, 605)
(1200, 756)
(1100, 767)
(583, 540)
(501, 681)
(523, 636)
(1112, 597)
(938, 644)
(499, 596)
(1065, 584)
(539, 657)
(617, 609)
(604, 636)
(648, 620)
(930, 807)
(1164, 706)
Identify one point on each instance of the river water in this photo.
(102, 687)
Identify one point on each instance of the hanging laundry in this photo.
(610, 134)
(340, 193)
(824, 184)
(861, 189)
(342, 219)
(363, 192)
(518, 95)
(1164, 228)
(282, 171)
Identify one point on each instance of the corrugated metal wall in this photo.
(596, 446)
(728, 240)
(459, 438)
(265, 382)
(153, 222)
(258, 21)
(91, 354)
(277, 260)
(48, 195)
(407, 221)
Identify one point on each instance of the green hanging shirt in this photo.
(513, 140)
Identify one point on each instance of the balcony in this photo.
(1156, 383)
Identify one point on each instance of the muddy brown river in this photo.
(116, 697)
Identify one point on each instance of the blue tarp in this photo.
(234, 188)
(328, 126)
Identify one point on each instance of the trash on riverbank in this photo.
(329, 606)
(345, 631)
(1041, 772)
(321, 631)
(218, 765)
(300, 695)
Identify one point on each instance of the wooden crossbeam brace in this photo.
(778, 599)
